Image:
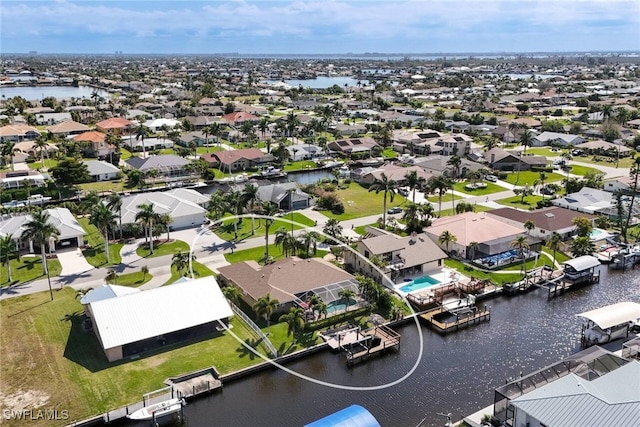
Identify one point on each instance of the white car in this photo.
(491, 178)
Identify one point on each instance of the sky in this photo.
(318, 26)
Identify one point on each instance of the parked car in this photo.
(547, 191)
(491, 178)
(394, 210)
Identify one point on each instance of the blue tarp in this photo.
(353, 416)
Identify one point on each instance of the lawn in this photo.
(226, 229)
(162, 249)
(69, 368)
(257, 253)
(199, 270)
(299, 165)
(28, 268)
(94, 253)
(530, 202)
(543, 151)
(445, 198)
(104, 186)
(359, 202)
(582, 170)
(450, 212)
(470, 271)
(625, 162)
(133, 279)
(530, 177)
(489, 189)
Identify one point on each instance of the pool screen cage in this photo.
(588, 364)
(330, 293)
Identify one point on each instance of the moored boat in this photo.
(158, 410)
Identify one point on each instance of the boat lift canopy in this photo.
(353, 416)
(582, 263)
(614, 314)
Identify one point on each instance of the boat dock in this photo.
(195, 383)
(444, 321)
(378, 340)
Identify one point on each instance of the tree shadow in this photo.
(30, 263)
(245, 352)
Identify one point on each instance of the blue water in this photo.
(338, 306)
(596, 233)
(31, 93)
(420, 283)
(322, 82)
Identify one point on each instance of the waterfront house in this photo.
(71, 233)
(291, 281)
(67, 127)
(361, 147)
(588, 200)
(100, 170)
(128, 324)
(162, 168)
(119, 125)
(94, 145)
(17, 179)
(546, 221)
(394, 173)
(184, 212)
(237, 160)
(287, 196)
(397, 256)
(18, 132)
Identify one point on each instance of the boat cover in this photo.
(614, 314)
(353, 416)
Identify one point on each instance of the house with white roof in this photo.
(100, 170)
(128, 324)
(562, 139)
(589, 200)
(184, 213)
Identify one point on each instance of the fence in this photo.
(263, 338)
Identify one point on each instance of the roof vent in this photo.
(549, 215)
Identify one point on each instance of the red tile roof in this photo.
(231, 156)
(114, 123)
(239, 116)
(91, 136)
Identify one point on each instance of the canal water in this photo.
(32, 93)
(456, 373)
(321, 82)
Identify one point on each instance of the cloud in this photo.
(482, 25)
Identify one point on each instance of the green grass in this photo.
(359, 202)
(450, 212)
(226, 229)
(530, 177)
(625, 162)
(69, 366)
(28, 268)
(299, 165)
(543, 151)
(124, 154)
(530, 202)
(199, 270)
(133, 279)
(162, 249)
(104, 186)
(470, 271)
(389, 153)
(490, 189)
(94, 254)
(257, 253)
(445, 198)
(582, 170)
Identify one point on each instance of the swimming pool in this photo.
(420, 283)
(338, 306)
(598, 234)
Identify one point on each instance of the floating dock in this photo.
(444, 321)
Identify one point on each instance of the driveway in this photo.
(72, 262)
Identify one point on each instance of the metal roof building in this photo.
(614, 314)
(129, 324)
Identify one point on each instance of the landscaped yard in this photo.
(104, 186)
(257, 253)
(530, 177)
(543, 151)
(450, 212)
(469, 271)
(582, 170)
(624, 162)
(95, 252)
(530, 202)
(445, 198)
(28, 268)
(133, 279)
(226, 229)
(199, 270)
(359, 201)
(69, 369)
(489, 189)
(162, 249)
(299, 165)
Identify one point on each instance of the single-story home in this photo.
(604, 148)
(409, 255)
(237, 160)
(393, 173)
(353, 145)
(286, 195)
(119, 125)
(18, 132)
(16, 179)
(290, 281)
(100, 170)
(546, 221)
(167, 167)
(67, 127)
(70, 231)
(588, 200)
(562, 139)
(128, 324)
(184, 213)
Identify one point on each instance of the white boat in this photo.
(162, 409)
(609, 323)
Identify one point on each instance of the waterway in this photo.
(322, 82)
(456, 373)
(31, 93)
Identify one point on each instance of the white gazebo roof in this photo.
(614, 314)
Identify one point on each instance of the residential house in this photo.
(67, 127)
(400, 256)
(163, 317)
(162, 168)
(18, 132)
(554, 138)
(291, 281)
(48, 119)
(546, 221)
(185, 212)
(361, 147)
(587, 200)
(343, 129)
(238, 117)
(287, 196)
(155, 124)
(119, 125)
(393, 173)
(71, 233)
(17, 179)
(100, 170)
(238, 160)
(304, 152)
(620, 184)
(29, 148)
(150, 144)
(600, 147)
(95, 144)
(499, 159)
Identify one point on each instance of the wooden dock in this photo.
(559, 285)
(463, 318)
(380, 339)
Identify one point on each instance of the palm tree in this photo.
(309, 242)
(447, 238)
(411, 217)
(41, 231)
(141, 133)
(7, 151)
(41, 144)
(414, 182)
(521, 245)
(112, 276)
(182, 260)
(264, 307)
(147, 217)
(472, 248)
(206, 131)
(347, 295)
(263, 125)
(294, 319)
(286, 240)
(249, 198)
(235, 205)
(217, 205)
(388, 186)
(166, 220)
(526, 139)
(333, 228)
(439, 184)
(232, 294)
(542, 178)
(455, 162)
(268, 209)
(554, 244)
(114, 202)
(144, 270)
(8, 251)
(103, 219)
(529, 225)
(322, 309)
(215, 130)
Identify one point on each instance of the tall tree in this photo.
(554, 244)
(347, 295)
(456, 163)
(268, 209)
(446, 238)
(181, 261)
(286, 241)
(529, 225)
(388, 187)
(249, 199)
(141, 133)
(112, 276)
(439, 184)
(147, 217)
(309, 242)
(103, 219)
(526, 139)
(414, 182)
(41, 231)
(294, 319)
(264, 307)
(114, 202)
(521, 245)
(333, 228)
(8, 251)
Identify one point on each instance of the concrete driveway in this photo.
(72, 261)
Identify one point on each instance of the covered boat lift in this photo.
(608, 323)
(352, 416)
